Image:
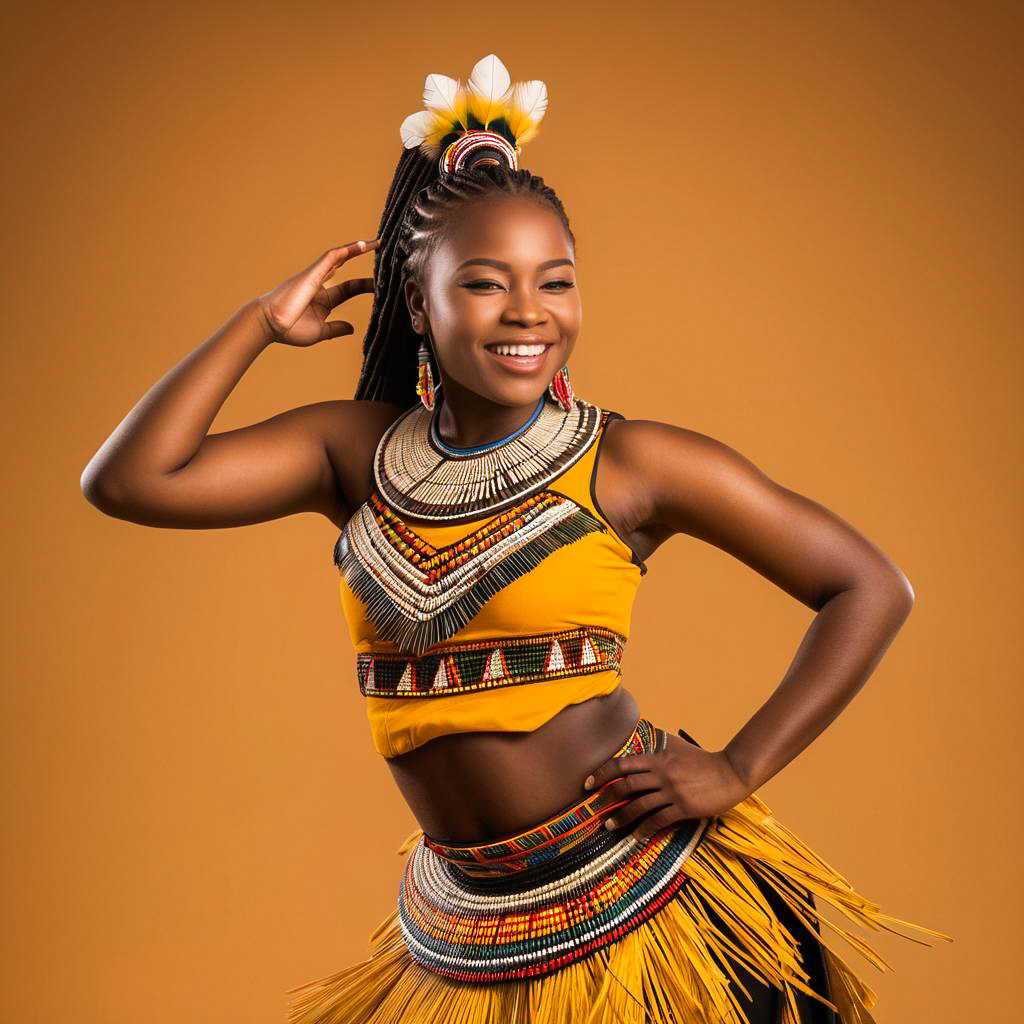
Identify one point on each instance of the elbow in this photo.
(898, 593)
(102, 491)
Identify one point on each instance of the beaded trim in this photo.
(491, 663)
(417, 595)
(554, 837)
(590, 893)
(419, 479)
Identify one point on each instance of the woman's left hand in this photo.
(683, 781)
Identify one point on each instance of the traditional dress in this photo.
(485, 590)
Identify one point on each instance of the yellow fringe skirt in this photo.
(711, 920)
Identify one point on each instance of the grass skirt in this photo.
(569, 923)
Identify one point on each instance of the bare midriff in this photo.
(473, 787)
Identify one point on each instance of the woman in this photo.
(575, 861)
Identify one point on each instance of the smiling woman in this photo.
(575, 861)
(488, 593)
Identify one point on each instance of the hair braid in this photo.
(418, 210)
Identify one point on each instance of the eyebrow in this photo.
(501, 265)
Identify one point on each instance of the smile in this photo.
(523, 355)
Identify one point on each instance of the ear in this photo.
(416, 303)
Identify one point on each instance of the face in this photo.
(504, 275)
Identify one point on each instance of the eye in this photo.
(480, 285)
(484, 285)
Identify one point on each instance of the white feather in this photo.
(488, 83)
(439, 94)
(415, 127)
(530, 99)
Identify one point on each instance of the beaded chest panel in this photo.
(417, 595)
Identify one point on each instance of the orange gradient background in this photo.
(799, 232)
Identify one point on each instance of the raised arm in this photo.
(161, 467)
(680, 481)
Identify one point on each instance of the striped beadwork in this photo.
(552, 895)
(491, 663)
(417, 595)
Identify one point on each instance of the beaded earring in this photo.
(425, 386)
(560, 389)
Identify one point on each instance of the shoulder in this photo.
(350, 430)
(343, 418)
(649, 446)
(677, 474)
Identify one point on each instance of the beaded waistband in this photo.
(526, 905)
(491, 663)
(554, 837)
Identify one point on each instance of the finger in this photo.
(346, 252)
(637, 808)
(335, 329)
(619, 790)
(338, 293)
(616, 766)
(664, 818)
(329, 262)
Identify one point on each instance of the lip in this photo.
(522, 364)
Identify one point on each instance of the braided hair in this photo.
(417, 212)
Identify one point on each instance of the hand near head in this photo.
(296, 310)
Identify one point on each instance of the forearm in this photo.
(168, 424)
(840, 650)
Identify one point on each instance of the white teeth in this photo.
(518, 350)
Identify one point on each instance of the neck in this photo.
(467, 420)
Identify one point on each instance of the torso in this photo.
(471, 787)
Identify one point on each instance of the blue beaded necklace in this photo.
(450, 449)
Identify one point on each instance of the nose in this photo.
(523, 307)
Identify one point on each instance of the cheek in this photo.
(458, 311)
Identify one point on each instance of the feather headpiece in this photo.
(487, 112)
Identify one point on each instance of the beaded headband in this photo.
(484, 120)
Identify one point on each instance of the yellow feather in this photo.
(525, 108)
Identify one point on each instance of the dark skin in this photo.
(162, 467)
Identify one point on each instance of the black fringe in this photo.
(415, 636)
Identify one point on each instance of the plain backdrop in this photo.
(799, 232)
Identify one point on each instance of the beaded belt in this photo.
(491, 663)
(525, 905)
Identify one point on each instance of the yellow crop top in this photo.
(496, 622)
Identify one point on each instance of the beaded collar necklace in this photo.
(420, 476)
(450, 449)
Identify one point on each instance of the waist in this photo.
(471, 786)
(554, 837)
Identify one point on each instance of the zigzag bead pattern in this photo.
(491, 663)
(417, 595)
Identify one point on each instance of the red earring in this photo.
(425, 386)
(560, 389)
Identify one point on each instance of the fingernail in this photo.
(589, 783)
(609, 823)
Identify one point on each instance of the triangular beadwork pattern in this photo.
(472, 665)
(417, 595)
(495, 667)
(556, 659)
